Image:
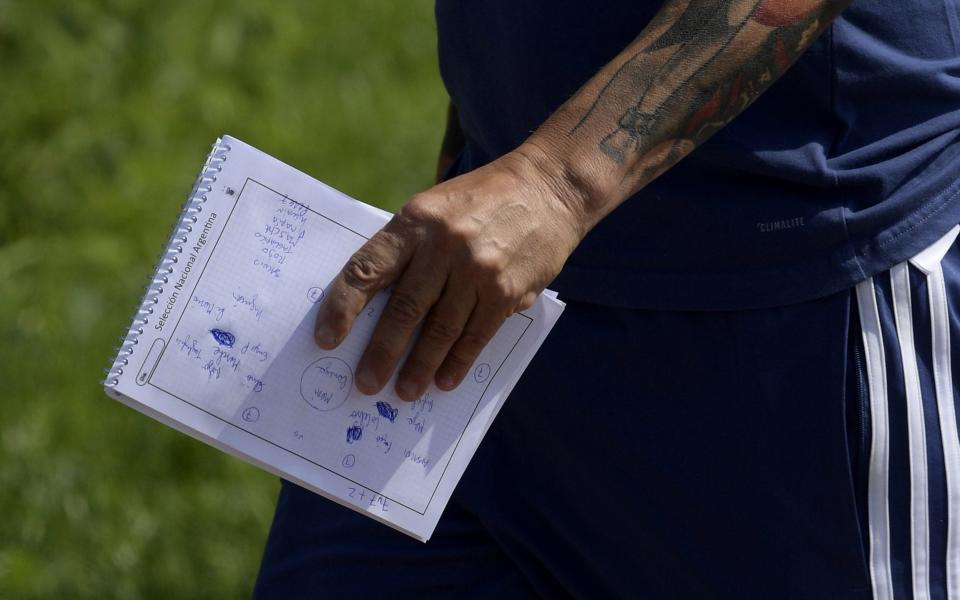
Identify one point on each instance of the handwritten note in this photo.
(239, 367)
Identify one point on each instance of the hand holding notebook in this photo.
(460, 257)
(222, 348)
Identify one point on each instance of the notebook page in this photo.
(229, 356)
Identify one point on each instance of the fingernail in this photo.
(367, 379)
(325, 337)
(445, 382)
(406, 390)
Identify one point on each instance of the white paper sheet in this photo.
(228, 354)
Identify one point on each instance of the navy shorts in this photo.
(803, 451)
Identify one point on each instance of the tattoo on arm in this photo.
(695, 67)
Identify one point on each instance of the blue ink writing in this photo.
(416, 423)
(208, 307)
(419, 408)
(386, 411)
(212, 370)
(416, 458)
(256, 350)
(354, 433)
(422, 404)
(385, 443)
(255, 383)
(224, 356)
(365, 419)
(271, 270)
(375, 499)
(250, 302)
(340, 378)
(224, 338)
(280, 236)
(189, 347)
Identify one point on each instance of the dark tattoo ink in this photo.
(686, 87)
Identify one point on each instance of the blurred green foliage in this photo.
(107, 110)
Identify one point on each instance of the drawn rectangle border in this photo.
(300, 456)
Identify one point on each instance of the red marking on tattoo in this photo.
(734, 95)
(705, 112)
(777, 13)
(781, 57)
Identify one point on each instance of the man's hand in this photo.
(461, 258)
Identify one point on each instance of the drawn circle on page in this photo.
(481, 373)
(349, 460)
(326, 383)
(251, 414)
(315, 294)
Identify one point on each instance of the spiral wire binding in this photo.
(168, 257)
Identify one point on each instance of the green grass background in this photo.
(106, 111)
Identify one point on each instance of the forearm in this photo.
(696, 66)
(464, 255)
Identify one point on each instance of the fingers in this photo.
(434, 284)
(441, 329)
(480, 329)
(373, 267)
(413, 295)
(527, 301)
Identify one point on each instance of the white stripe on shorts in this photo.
(919, 500)
(928, 262)
(878, 485)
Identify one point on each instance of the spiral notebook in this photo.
(221, 348)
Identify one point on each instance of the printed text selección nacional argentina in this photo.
(185, 271)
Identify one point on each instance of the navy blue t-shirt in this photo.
(847, 165)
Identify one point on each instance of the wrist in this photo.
(570, 182)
